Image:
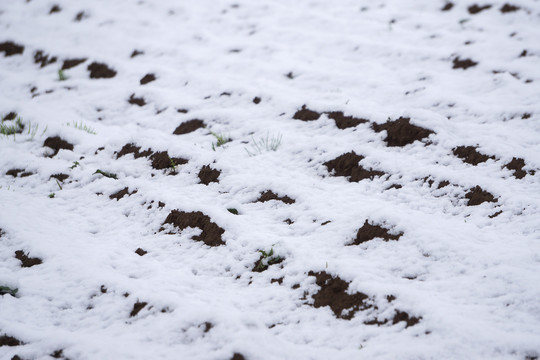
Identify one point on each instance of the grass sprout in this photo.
(11, 128)
(61, 75)
(267, 143)
(82, 127)
(221, 140)
(7, 290)
(267, 259)
(106, 174)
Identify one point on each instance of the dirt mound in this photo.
(136, 100)
(463, 64)
(141, 252)
(403, 316)
(208, 175)
(100, 71)
(14, 172)
(508, 8)
(70, 63)
(344, 122)
(6, 340)
(269, 195)
(211, 232)
(305, 114)
(59, 177)
(189, 126)
(138, 306)
(517, 165)
(348, 165)
(147, 78)
(333, 293)
(369, 232)
(478, 196)
(56, 143)
(9, 48)
(25, 260)
(401, 132)
(43, 59)
(120, 194)
(55, 9)
(161, 160)
(469, 155)
(475, 9)
(133, 149)
(448, 6)
(10, 116)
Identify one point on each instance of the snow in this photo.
(470, 278)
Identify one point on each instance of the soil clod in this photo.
(348, 165)
(137, 307)
(100, 71)
(238, 356)
(344, 122)
(403, 316)
(147, 78)
(9, 48)
(136, 53)
(120, 194)
(508, 8)
(369, 232)
(401, 132)
(469, 155)
(256, 100)
(211, 232)
(477, 196)
(56, 143)
(133, 149)
(55, 9)
(475, 9)
(189, 126)
(10, 116)
(270, 195)
(43, 59)
(71, 63)
(14, 172)
(136, 100)
(141, 252)
(517, 165)
(463, 64)
(161, 160)
(448, 6)
(306, 115)
(208, 175)
(60, 177)
(6, 340)
(25, 260)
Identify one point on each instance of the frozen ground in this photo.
(403, 210)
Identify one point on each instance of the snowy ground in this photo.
(421, 242)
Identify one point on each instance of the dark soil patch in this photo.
(136, 53)
(369, 232)
(141, 252)
(517, 165)
(443, 183)
(58, 354)
(508, 8)
(55, 9)
(10, 116)
(238, 356)
(70, 63)
(348, 165)
(211, 232)
(344, 122)
(401, 132)
(43, 59)
(305, 114)
(25, 260)
(526, 116)
(100, 71)
(208, 175)
(147, 78)
(207, 326)
(256, 100)
(478, 196)
(469, 155)
(133, 149)
(9, 48)
(475, 9)
(6, 340)
(56, 143)
(447, 7)
(403, 316)
(189, 126)
(14, 172)
(161, 160)
(278, 280)
(27, 173)
(120, 194)
(138, 306)
(333, 293)
(495, 214)
(182, 111)
(80, 15)
(269, 195)
(136, 100)
(463, 64)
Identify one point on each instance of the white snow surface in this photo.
(470, 278)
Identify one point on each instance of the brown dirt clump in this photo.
(475, 9)
(256, 100)
(463, 64)
(9, 48)
(136, 53)
(70, 63)
(133, 149)
(138, 306)
(508, 8)
(136, 100)
(238, 356)
(333, 293)
(211, 232)
(401, 132)
(59, 177)
(448, 6)
(477, 196)
(120, 194)
(369, 232)
(10, 116)
(147, 78)
(208, 175)
(189, 126)
(25, 260)
(517, 165)
(55, 9)
(403, 316)
(141, 252)
(43, 59)
(305, 114)
(270, 195)
(348, 165)
(100, 71)
(6, 340)
(56, 143)
(344, 122)
(14, 172)
(469, 155)
(161, 160)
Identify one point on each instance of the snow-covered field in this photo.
(379, 197)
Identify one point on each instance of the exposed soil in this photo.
(478, 196)
(25, 260)
(43, 59)
(305, 114)
(147, 78)
(161, 160)
(189, 126)
(208, 175)
(494, 215)
(508, 8)
(211, 232)
(141, 252)
(344, 122)
(14, 172)
(475, 9)
(369, 232)
(10, 116)
(55, 9)
(70, 63)
(100, 71)
(348, 165)
(333, 293)
(80, 15)
(238, 356)
(56, 143)
(136, 100)
(120, 194)
(469, 155)
(517, 165)
(136, 53)
(133, 149)
(401, 132)
(138, 306)
(403, 316)
(10, 48)
(463, 64)
(256, 100)
(6, 340)
(270, 195)
(443, 183)
(448, 6)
